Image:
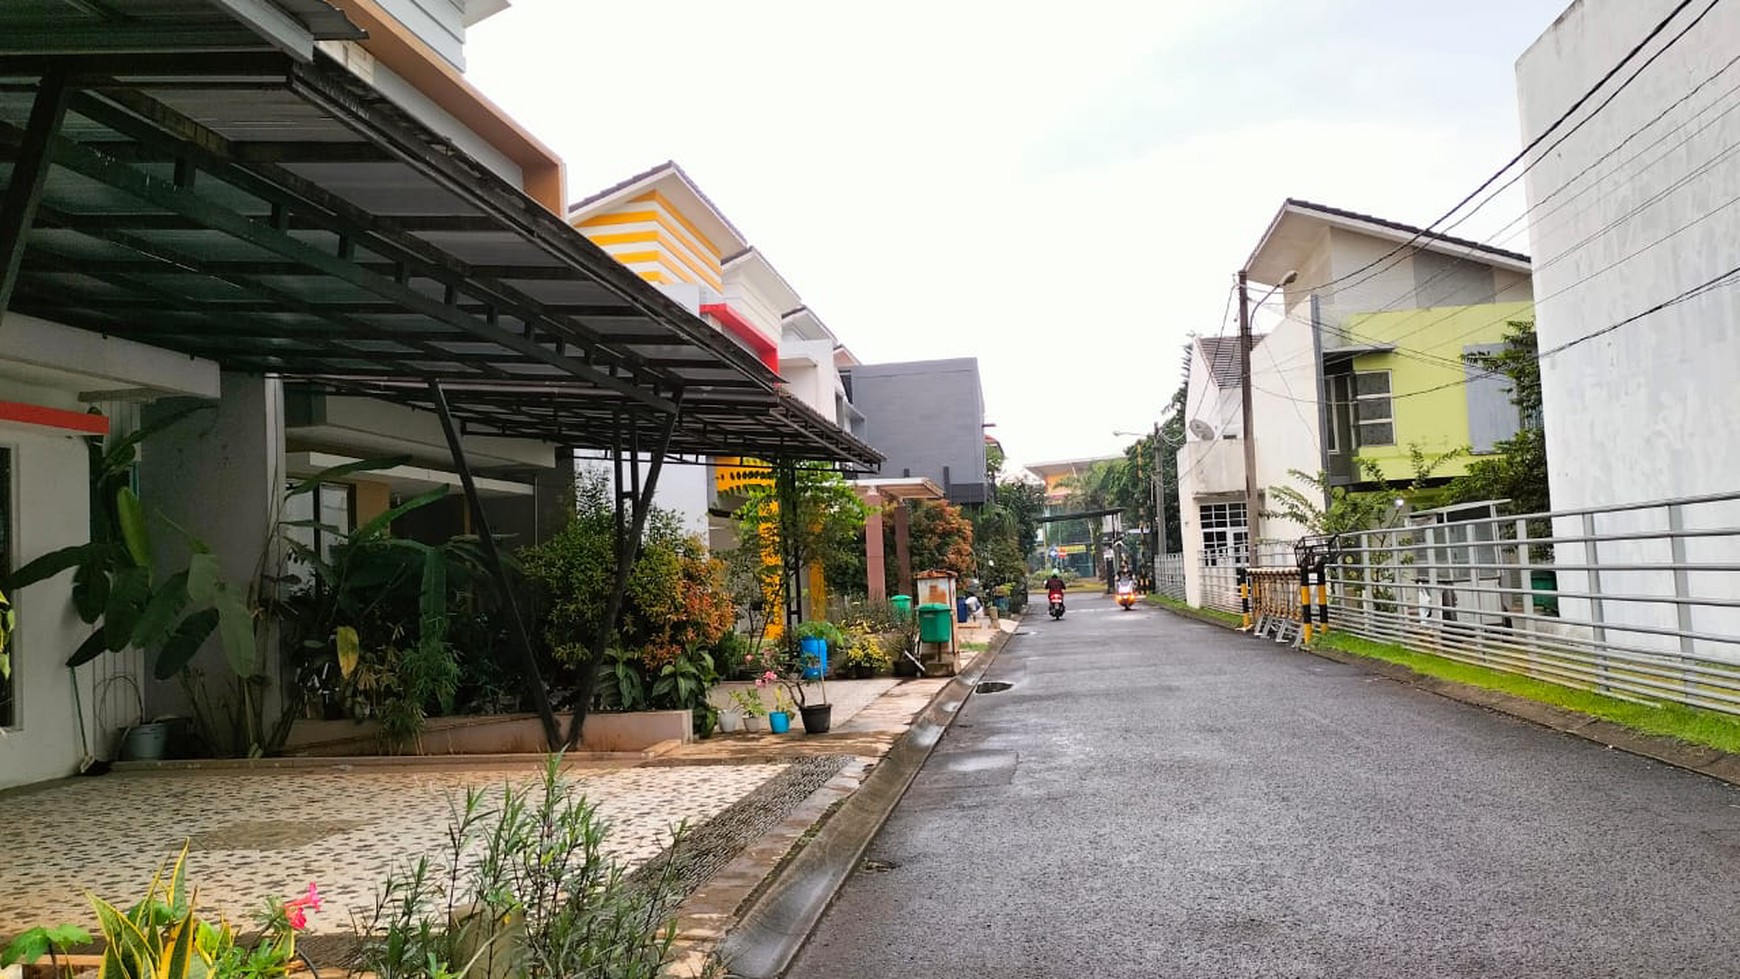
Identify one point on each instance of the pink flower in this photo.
(296, 909)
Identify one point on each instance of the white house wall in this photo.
(52, 511)
(1649, 410)
(1284, 414)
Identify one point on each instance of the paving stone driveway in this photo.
(262, 835)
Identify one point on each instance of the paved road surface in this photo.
(1156, 797)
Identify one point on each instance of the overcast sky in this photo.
(1061, 189)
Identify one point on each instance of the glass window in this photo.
(331, 506)
(8, 710)
(1373, 419)
(1225, 534)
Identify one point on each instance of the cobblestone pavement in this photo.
(257, 836)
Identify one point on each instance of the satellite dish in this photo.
(1201, 429)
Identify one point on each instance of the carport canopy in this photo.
(276, 214)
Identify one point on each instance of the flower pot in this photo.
(730, 722)
(778, 721)
(862, 671)
(815, 657)
(817, 717)
(145, 742)
(752, 722)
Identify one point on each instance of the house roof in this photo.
(1296, 226)
(701, 209)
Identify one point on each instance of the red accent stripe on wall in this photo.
(69, 421)
(742, 329)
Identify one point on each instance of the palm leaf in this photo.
(182, 644)
(380, 524)
(49, 565)
(348, 469)
(134, 531)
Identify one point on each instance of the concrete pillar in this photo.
(875, 569)
(903, 546)
(221, 476)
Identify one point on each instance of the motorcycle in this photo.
(1056, 599)
(1126, 597)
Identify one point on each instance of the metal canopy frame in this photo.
(281, 217)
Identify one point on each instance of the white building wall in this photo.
(45, 741)
(1649, 410)
(1284, 414)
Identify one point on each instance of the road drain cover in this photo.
(1024, 632)
(878, 866)
(992, 686)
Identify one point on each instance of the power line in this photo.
(1544, 134)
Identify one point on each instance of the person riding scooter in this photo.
(1126, 590)
(1054, 593)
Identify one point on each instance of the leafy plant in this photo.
(33, 943)
(524, 889)
(1518, 472)
(807, 515)
(116, 588)
(163, 937)
(622, 687)
(821, 629)
(748, 702)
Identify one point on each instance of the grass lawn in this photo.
(1687, 724)
(1217, 615)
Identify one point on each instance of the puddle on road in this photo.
(992, 686)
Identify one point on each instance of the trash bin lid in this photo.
(934, 607)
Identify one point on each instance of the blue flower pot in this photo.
(779, 722)
(816, 668)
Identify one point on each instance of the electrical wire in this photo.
(1544, 134)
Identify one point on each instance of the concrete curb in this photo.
(1702, 759)
(769, 934)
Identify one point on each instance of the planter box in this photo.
(492, 734)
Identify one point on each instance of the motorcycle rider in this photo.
(1054, 583)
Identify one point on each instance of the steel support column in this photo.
(628, 540)
(480, 522)
(29, 174)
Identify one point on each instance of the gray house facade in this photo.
(927, 418)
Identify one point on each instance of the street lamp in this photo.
(1251, 512)
(1156, 546)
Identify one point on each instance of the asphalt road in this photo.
(1157, 797)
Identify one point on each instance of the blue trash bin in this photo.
(963, 611)
(818, 648)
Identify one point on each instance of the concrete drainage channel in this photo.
(769, 935)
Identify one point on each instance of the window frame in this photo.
(1387, 398)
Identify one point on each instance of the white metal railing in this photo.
(1220, 566)
(1169, 576)
(1640, 602)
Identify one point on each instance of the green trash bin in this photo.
(902, 606)
(933, 622)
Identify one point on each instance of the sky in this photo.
(1062, 190)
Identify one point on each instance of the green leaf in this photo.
(49, 565)
(90, 590)
(380, 524)
(432, 603)
(202, 578)
(162, 612)
(26, 948)
(131, 513)
(184, 642)
(313, 482)
(94, 645)
(236, 630)
(129, 593)
(120, 453)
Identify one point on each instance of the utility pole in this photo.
(1251, 514)
(1157, 550)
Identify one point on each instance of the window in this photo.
(8, 711)
(1225, 534)
(1372, 416)
(330, 505)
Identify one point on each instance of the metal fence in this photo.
(1640, 602)
(1220, 583)
(1169, 576)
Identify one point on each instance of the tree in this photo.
(939, 536)
(1349, 510)
(809, 514)
(1519, 472)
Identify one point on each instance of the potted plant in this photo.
(746, 704)
(788, 670)
(863, 655)
(779, 718)
(814, 639)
